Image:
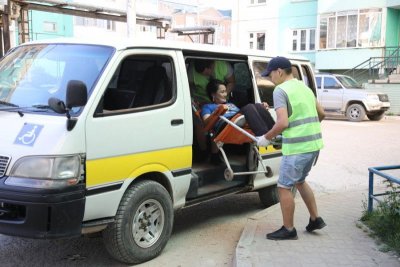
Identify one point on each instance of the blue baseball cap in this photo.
(276, 63)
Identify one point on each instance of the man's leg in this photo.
(308, 197)
(287, 206)
(287, 231)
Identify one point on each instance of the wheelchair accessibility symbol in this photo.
(28, 134)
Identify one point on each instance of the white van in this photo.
(98, 137)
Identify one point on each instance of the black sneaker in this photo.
(283, 234)
(315, 225)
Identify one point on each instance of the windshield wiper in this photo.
(41, 106)
(11, 106)
(8, 104)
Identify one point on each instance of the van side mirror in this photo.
(57, 105)
(76, 96)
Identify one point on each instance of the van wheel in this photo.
(376, 116)
(269, 196)
(143, 224)
(355, 112)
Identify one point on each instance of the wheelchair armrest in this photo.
(214, 117)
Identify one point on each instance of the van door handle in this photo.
(176, 122)
(325, 90)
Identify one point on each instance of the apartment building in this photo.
(220, 21)
(278, 27)
(334, 35)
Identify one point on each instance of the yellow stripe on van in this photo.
(109, 170)
(267, 150)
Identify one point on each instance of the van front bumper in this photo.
(33, 213)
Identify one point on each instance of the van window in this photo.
(296, 72)
(318, 79)
(242, 92)
(139, 82)
(31, 74)
(264, 85)
(330, 83)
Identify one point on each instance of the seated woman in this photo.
(257, 116)
(216, 91)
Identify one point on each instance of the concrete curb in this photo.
(242, 256)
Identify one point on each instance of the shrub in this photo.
(384, 220)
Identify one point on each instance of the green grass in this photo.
(384, 220)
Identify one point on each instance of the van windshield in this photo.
(31, 74)
(348, 82)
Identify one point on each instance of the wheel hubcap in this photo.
(354, 113)
(148, 223)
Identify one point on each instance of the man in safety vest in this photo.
(203, 70)
(298, 119)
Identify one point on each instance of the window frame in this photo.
(296, 38)
(157, 58)
(254, 43)
(332, 21)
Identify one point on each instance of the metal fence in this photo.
(378, 171)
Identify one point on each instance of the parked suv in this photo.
(342, 94)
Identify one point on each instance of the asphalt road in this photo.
(207, 234)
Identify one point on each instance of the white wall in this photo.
(325, 6)
(142, 6)
(255, 18)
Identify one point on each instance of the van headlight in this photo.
(373, 97)
(46, 172)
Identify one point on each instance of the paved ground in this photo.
(342, 243)
(340, 180)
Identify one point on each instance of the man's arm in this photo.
(282, 122)
(320, 111)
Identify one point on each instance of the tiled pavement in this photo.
(343, 242)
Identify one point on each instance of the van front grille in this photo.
(4, 161)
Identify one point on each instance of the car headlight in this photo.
(45, 172)
(373, 97)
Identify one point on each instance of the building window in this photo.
(99, 23)
(111, 25)
(210, 22)
(348, 29)
(256, 2)
(49, 26)
(257, 41)
(303, 40)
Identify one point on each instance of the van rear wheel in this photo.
(269, 196)
(143, 224)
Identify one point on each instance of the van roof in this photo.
(125, 43)
(327, 73)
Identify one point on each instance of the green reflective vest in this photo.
(201, 81)
(304, 131)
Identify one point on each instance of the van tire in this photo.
(269, 196)
(355, 112)
(376, 116)
(149, 205)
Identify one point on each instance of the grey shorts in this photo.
(295, 168)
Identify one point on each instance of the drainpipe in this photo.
(131, 18)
